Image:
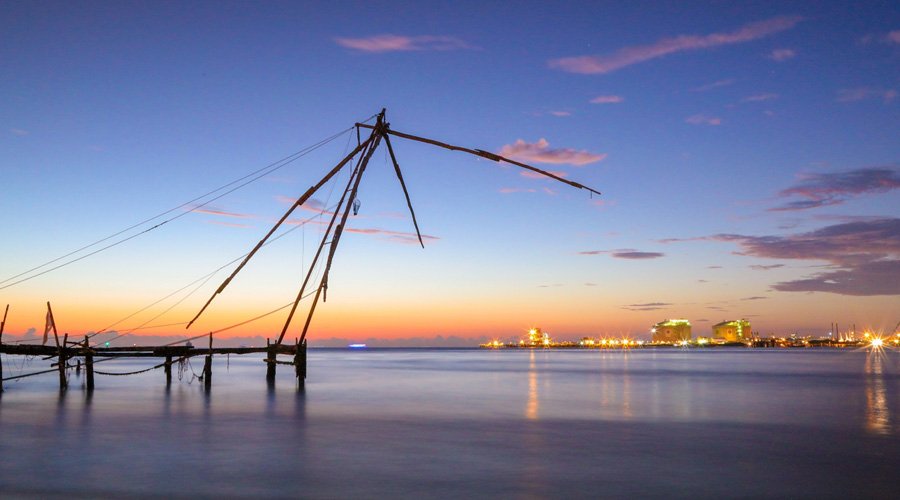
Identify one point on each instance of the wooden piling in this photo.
(2, 326)
(207, 367)
(300, 362)
(88, 365)
(61, 358)
(168, 369)
(270, 361)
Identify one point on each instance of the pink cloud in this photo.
(760, 97)
(228, 224)
(538, 175)
(221, 213)
(540, 152)
(625, 253)
(397, 236)
(607, 99)
(781, 55)
(18, 131)
(511, 190)
(701, 119)
(862, 93)
(827, 189)
(561, 113)
(714, 85)
(398, 43)
(893, 37)
(628, 56)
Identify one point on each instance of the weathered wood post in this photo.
(2, 325)
(168, 368)
(270, 362)
(300, 362)
(63, 383)
(207, 367)
(88, 364)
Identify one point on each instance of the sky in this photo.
(748, 155)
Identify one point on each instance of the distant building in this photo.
(538, 338)
(672, 330)
(732, 331)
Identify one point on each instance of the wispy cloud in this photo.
(864, 255)
(760, 97)
(510, 190)
(820, 190)
(538, 175)
(863, 93)
(561, 113)
(891, 37)
(714, 85)
(400, 43)
(601, 64)
(18, 131)
(650, 306)
(756, 297)
(781, 55)
(624, 253)
(607, 99)
(540, 152)
(765, 267)
(701, 119)
(221, 213)
(228, 224)
(396, 236)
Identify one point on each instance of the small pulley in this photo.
(356, 205)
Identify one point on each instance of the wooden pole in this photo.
(484, 154)
(168, 369)
(53, 324)
(270, 360)
(61, 358)
(88, 364)
(328, 232)
(323, 285)
(300, 201)
(207, 368)
(387, 142)
(300, 362)
(2, 326)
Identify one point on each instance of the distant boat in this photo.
(357, 346)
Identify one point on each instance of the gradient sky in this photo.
(747, 153)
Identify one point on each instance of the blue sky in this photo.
(747, 154)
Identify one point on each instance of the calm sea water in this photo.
(467, 423)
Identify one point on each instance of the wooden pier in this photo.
(81, 355)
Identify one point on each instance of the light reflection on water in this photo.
(878, 417)
(452, 423)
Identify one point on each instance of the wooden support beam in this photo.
(325, 236)
(484, 154)
(168, 370)
(387, 142)
(61, 362)
(323, 284)
(300, 362)
(207, 367)
(300, 201)
(2, 326)
(88, 365)
(271, 358)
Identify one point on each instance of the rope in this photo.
(260, 173)
(205, 278)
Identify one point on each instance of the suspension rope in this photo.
(241, 182)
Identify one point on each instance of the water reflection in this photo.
(531, 408)
(878, 417)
